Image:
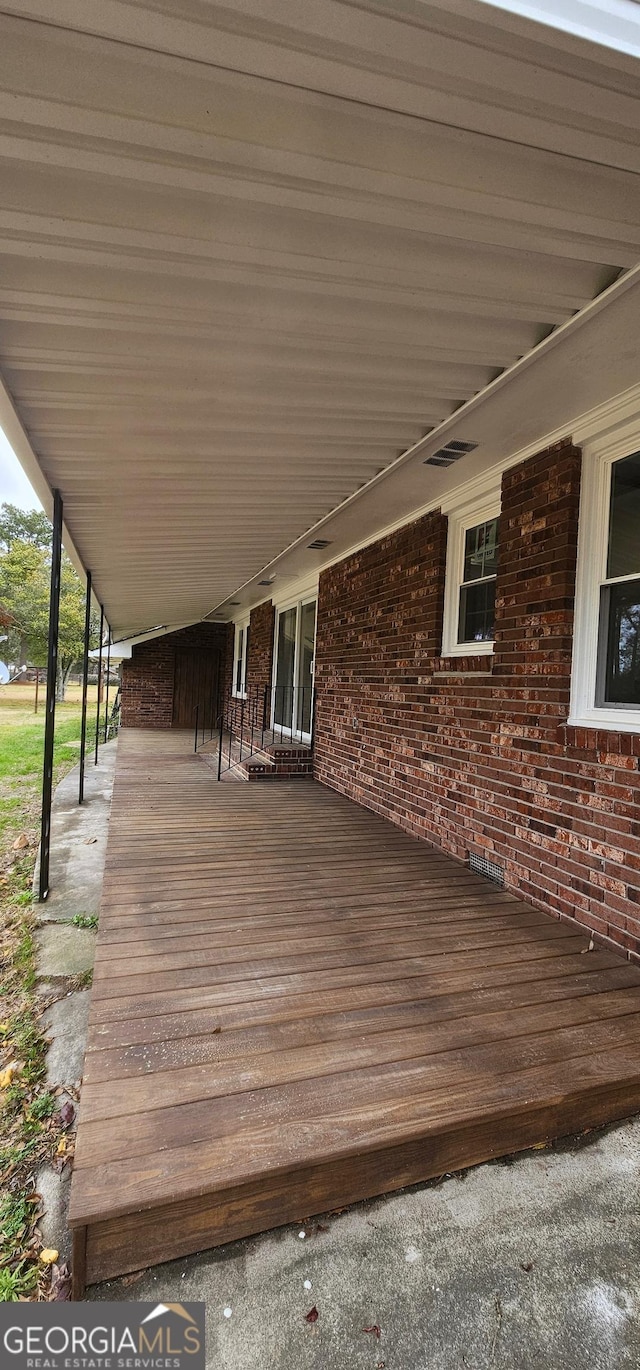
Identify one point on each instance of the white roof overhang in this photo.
(250, 255)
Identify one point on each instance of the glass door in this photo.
(293, 688)
(306, 648)
(283, 702)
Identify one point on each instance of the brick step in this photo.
(278, 763)
(274, 761)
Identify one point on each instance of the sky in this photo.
(615, 23)
(14, 486)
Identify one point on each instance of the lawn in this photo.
(31, 1127)
(21, 747)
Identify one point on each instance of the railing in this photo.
(106, 727)
(201, 727)
(248, 723)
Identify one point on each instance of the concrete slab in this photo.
(78, 845)
(79, 840)
(527, 1265)
(53, 1189)
(64, 950)
(65, 1023)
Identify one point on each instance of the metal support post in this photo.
(95, 759)
(52, 678)
(85, 686)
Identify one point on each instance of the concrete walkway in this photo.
(66, 952)
(528, 1265)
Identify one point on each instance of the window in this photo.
(470, 591)
(606, 662)
(477, 607)
(240, 654)
(618, 675)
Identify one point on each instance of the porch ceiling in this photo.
(249, 254)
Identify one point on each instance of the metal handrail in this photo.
(260, 717)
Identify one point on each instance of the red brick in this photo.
(475, 753)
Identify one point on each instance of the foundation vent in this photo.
(445, 456)
(482, 866)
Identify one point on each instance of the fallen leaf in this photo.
(375, 1329)
(61, 1147)
(312, 1315)
(528, 1267)
(60, 1287)
(318, 1228)
(48, 1256)
(88, 841)
(6, 1075)
(20, 842)
(66, 1115)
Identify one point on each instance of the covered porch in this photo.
(296, 1006)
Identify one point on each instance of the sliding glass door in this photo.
(293, 690)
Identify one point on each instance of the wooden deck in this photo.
(295, 1006)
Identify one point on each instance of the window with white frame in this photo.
(470, 590)
(606, 661)
(240, 654)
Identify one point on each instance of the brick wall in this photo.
(261, 635)
(148, 677)
(474, 753)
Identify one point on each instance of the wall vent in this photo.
(452, 451)
(319, 544)
(482, 866)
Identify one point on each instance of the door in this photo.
(293, 688)
(195, 685)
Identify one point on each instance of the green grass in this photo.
(8, 810)
(15, 1216)
(21, 747)
(19, 1283)
(85, 920)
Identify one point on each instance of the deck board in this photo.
(296, 1005)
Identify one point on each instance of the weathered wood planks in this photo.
(295, 1006)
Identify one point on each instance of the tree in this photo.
(25, 577)
(24, 525)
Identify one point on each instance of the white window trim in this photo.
(478, 509)
(593, 541)
(241, 626)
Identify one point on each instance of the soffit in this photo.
(251, 253)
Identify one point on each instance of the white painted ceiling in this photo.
(251, 253)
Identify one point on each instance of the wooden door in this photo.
(195, 683)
